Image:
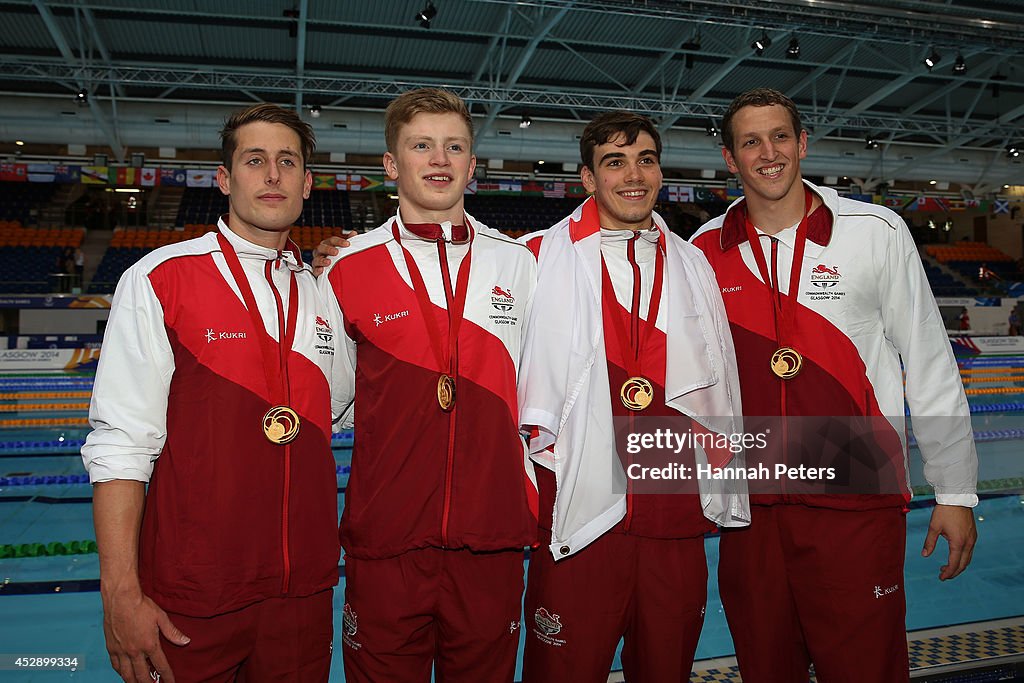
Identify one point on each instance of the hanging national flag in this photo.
(680, 193)
(95, 175)
(372, 183)
(67, 174)
(123, 175)
(148, 177)
(1001, 206)
(324, 181)
(555, 190)
(350, 182)
(41, 173)
(198, 177)
(173, 177)
(704, 194)
(471, 187)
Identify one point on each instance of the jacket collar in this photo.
(819, 224)
(246, 249)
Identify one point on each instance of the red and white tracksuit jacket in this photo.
(179, 400)
(864, 305)
(422, 477)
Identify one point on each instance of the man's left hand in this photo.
(956, 524)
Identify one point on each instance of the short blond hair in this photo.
(403, 108)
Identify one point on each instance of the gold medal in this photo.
(445, 392)
(636, 393)
(281, 425)
(786, 363)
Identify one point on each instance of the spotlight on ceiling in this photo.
(691, 46)
(870, 142)
(1012, 151)
(19, 143)
(526, 121)
(314, 111)
(426, 14)
(959, 66)
(761, 44)
(931, 60)
(793, 51)
(711, 129)
(82, 98)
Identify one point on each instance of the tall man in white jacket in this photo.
(826, 296)
(628, 333)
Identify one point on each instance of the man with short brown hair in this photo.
(827, 299)
(629, 334)
(213, 388)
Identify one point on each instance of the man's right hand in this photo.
(326, 249)
(132, 624)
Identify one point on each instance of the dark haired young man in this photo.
(432, 308)
(826, 297)
(213, 388)
(629, 331)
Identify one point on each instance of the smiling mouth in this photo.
(771, 170)
(633, 194)
(439, 178)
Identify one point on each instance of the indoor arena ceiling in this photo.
(856, 69)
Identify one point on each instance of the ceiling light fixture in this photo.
(761, 44)
(959, 66)
(314, 111)
(1012, 151)
(426, 14)
(931, 60)
(526, 121)
(793, 51)
(870, 143)
(82, 98)
(711, 129)
(19, 143)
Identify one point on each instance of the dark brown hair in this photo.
(267, 113)
(609, 125)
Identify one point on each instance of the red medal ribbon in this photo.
(275, 355)
(783, 305)
(632, 350)
(456, 303)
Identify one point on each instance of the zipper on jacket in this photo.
(287, 460)
(634, 336)
(453, 365)
(777, 293)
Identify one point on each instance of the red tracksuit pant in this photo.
(650, 591)
(804, 585)
(455, 610)
(277, 640)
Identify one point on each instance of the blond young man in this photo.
(441, 500)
